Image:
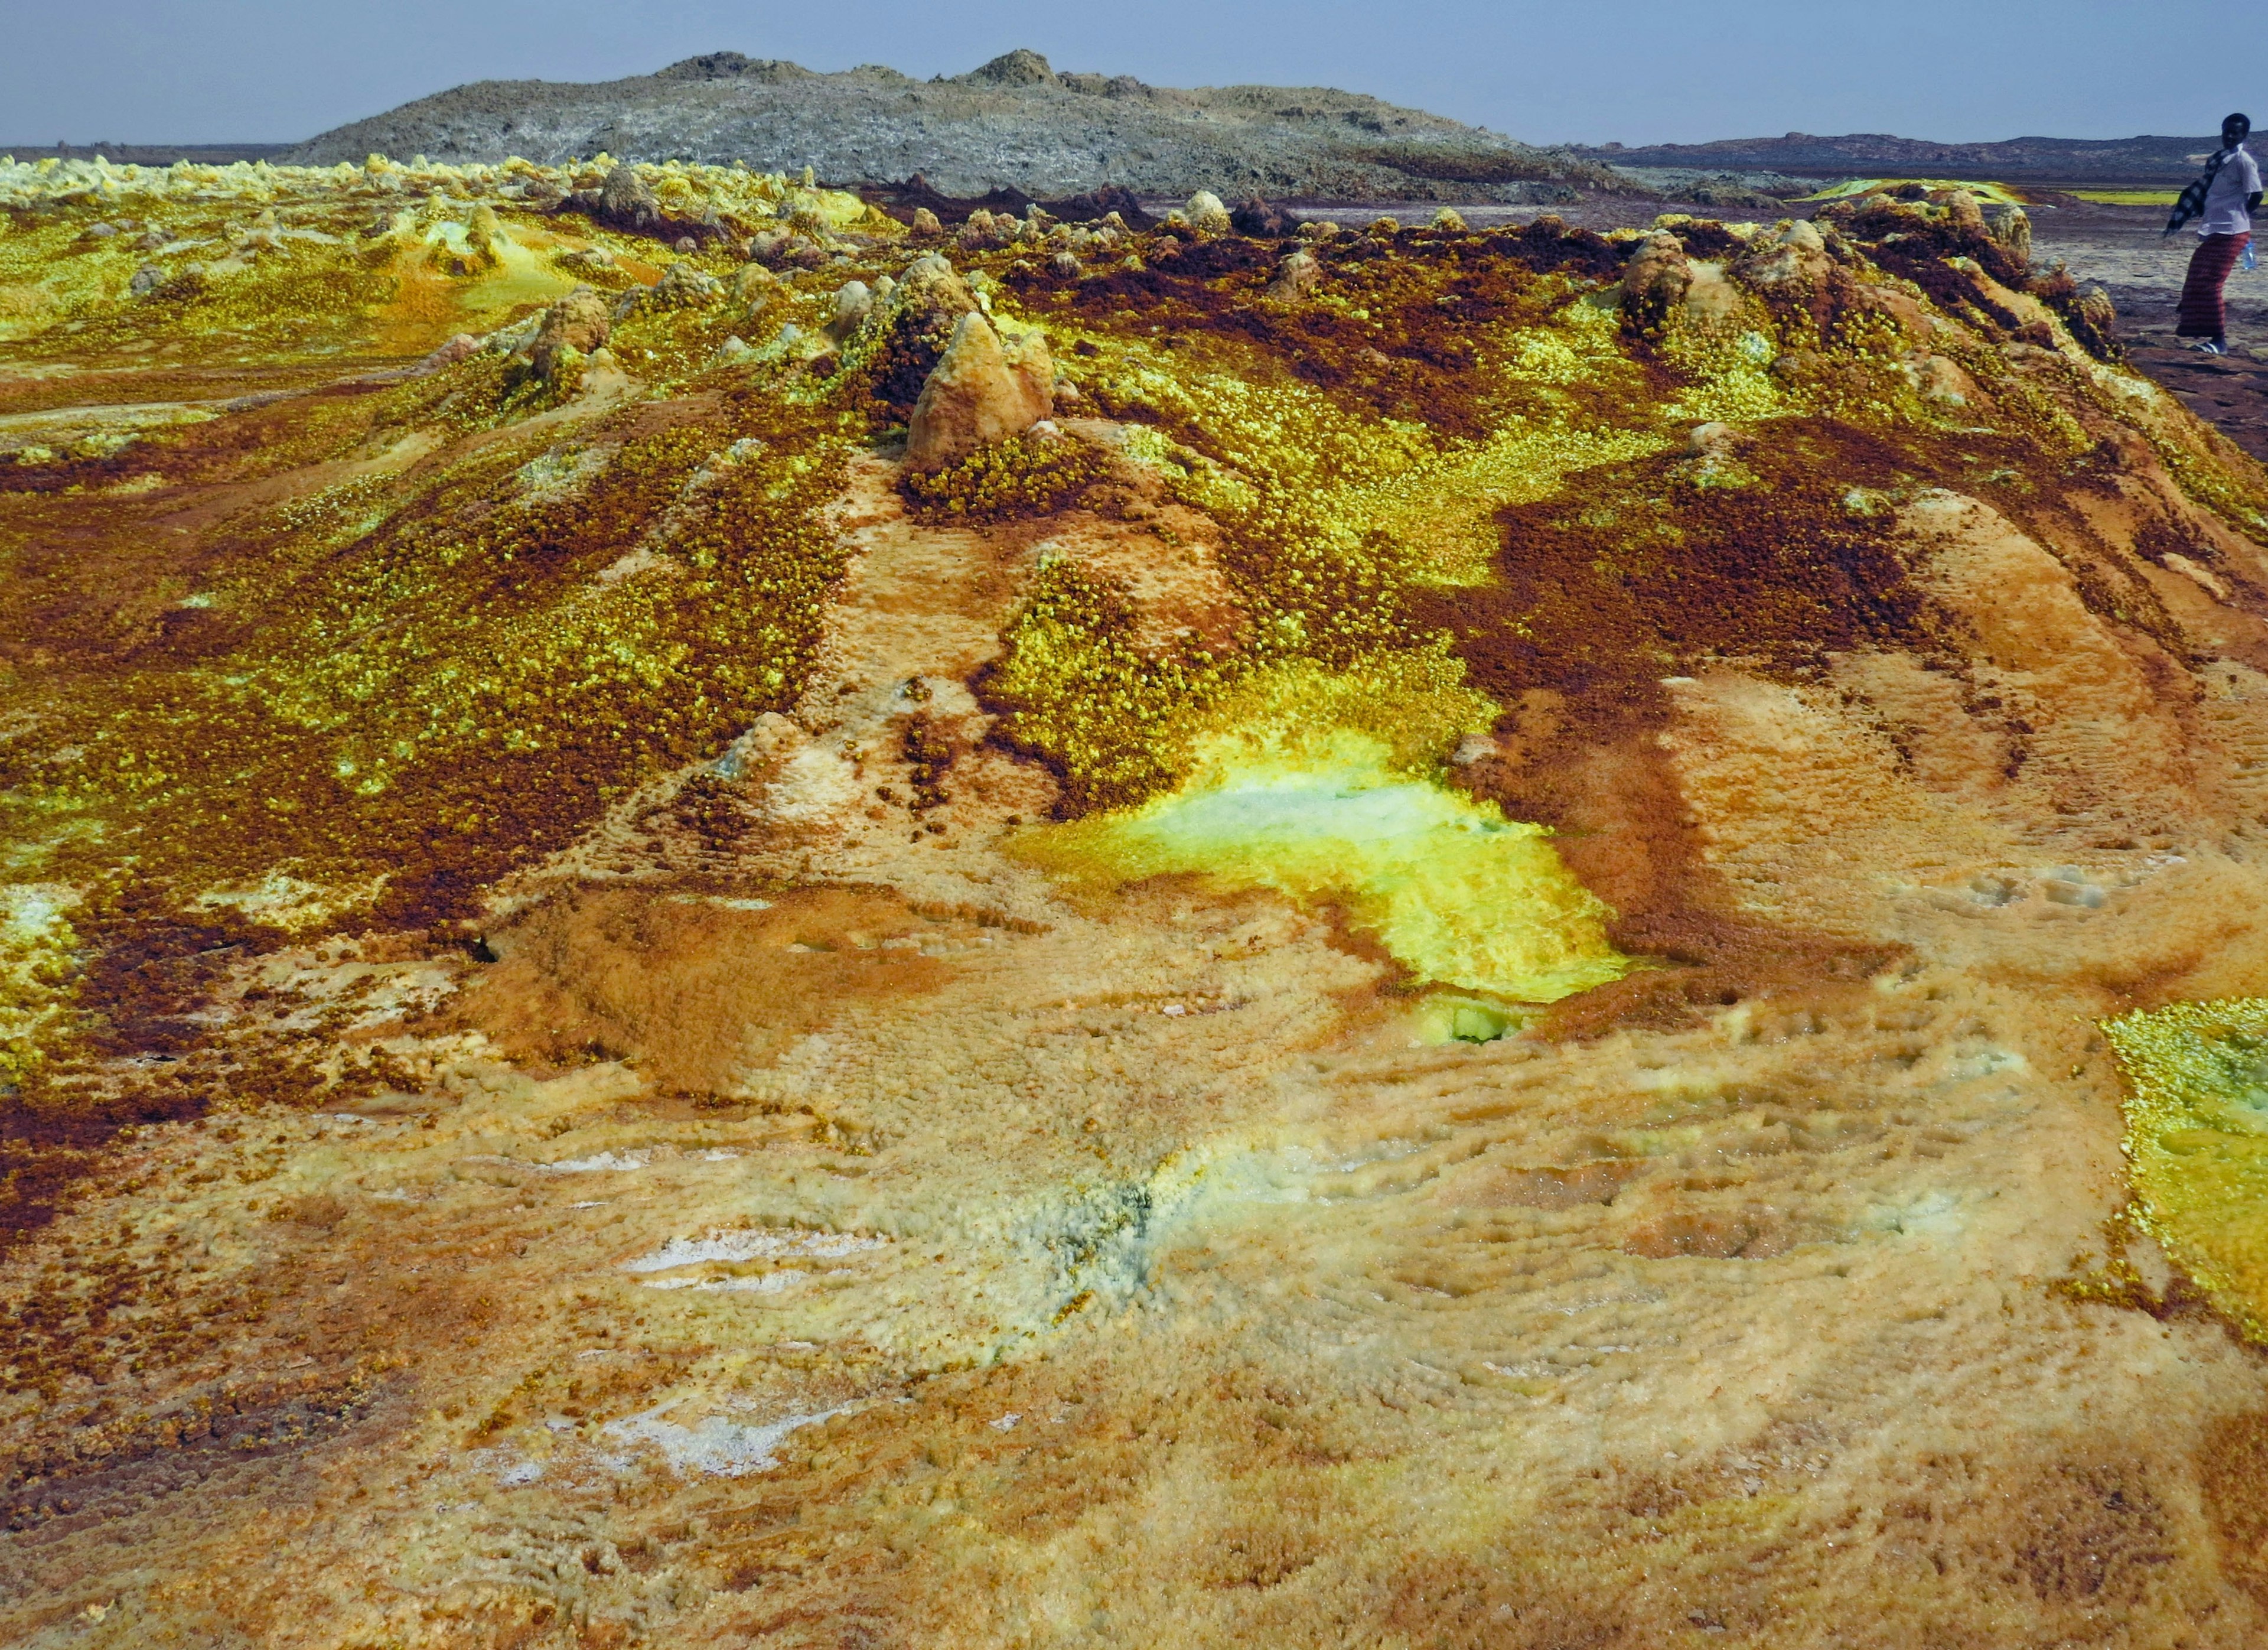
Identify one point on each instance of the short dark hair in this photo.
(2245, 120)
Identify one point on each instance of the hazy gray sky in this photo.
(1634, 70)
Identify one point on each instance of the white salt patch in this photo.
(605, 1162)
(769, 1283)
(635, 562)
(1934, 1214)
(1986, 1062)
(750, 1244)
(518, 1473)
(814, 784)
(1005, 1422)
(29, 911)
(556, 475)
(712, 1445)
(765, 1284)
(283, 900)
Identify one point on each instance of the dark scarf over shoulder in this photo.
(2192, 203)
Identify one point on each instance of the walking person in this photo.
(2224, 201)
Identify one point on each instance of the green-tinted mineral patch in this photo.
(1458, 893)
(1447, 1017)
(2196, 1143)
(35, 968)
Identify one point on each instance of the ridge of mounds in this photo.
(1425, 294)
(1941, 240)
(1890, 324)
(623, 202)
(1406, 361)
(904, 200)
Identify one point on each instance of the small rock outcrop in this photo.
(785, 248)
(854, 301)
(462, 347)
(683, 286)
(624, 202)
(1257, 219)
(930, 290)
(982, 230)
(2087, 312)
(914, 326)
(1295, 276)
(1962, 208)
(1022, 67)
(577, 321)
(769, 71)
(1798, 253)
(1206, 215)
(983, 390)
(2012, 227)
(753, 285)
(1654, 283)
(1939, 379)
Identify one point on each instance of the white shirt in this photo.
(2239, 177)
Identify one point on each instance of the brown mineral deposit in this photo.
(981, 391)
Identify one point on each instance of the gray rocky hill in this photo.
(1014, 123)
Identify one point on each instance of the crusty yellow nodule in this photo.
(1459, 893)
(2196, 1143)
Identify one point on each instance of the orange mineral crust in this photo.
(728, 923)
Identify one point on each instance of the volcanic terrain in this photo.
(731, 920)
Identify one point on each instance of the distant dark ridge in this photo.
(2065, 159)
(1015, 124)
(148, 154)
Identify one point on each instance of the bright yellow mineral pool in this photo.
(2129, 197)
(2196, 1143)
(1456, 892)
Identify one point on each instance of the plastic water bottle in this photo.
(2248, 262)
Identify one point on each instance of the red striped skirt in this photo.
(2204, 310)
